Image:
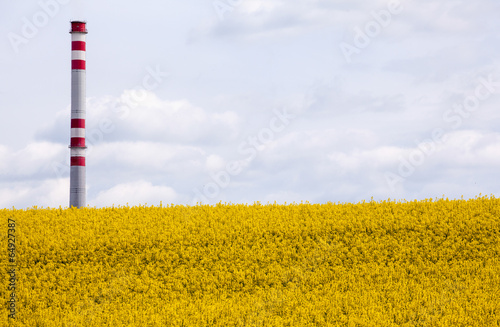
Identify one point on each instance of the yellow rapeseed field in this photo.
(419, 263)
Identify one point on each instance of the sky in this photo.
(238, 101)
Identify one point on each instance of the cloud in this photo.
(25, 194)
(334, 97)
(261, 19)
(136, 193)
(139, 115)
(146, 156)
(256, 19)
(34, 161)
(325, 167)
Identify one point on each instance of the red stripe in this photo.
(78, 64)
(78, 27)
(77, 123)
(77, 141)
(78, 161)
(78, 45)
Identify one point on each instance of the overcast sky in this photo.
(253, 100)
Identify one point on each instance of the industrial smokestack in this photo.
(77, 187)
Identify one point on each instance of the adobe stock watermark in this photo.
(249, 150)
(454, 119)
(31, 26)
(106, 125)
(363, 36)
(221, 7)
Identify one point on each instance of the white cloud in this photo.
(260, 19)
(136, 193)
(215, 162)
(47, 193)
(139, 115)
(147, 156)
(34, 161)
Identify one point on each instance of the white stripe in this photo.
(77, 152)
(77, 55)
(78, 37)
(77, 115)
(77, 132)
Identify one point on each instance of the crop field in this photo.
(389, 263)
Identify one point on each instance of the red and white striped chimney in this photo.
(78, 191)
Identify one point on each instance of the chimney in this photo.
(77, 188)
